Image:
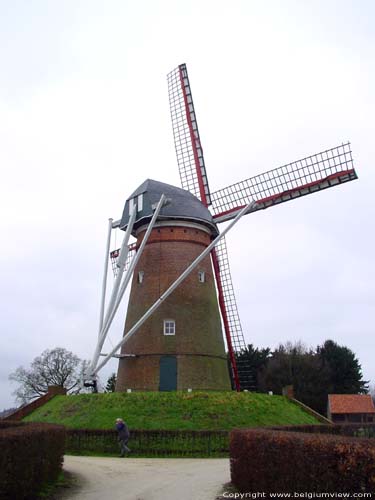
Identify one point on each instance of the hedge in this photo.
(153, 443)
(4, 424)
(354, 430)
(279, 461)
(150, 443)
(31, 457)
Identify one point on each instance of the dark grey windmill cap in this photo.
(182, 205)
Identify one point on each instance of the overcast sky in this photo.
(85, 120)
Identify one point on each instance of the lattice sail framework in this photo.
(114, 254)
(233, 318)
(309, 175)
(186, 135)
(230, 316)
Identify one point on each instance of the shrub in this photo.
(4, 424)
(150, 443)
(364, 430)
(271, 460)
(31, 456)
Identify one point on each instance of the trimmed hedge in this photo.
(150, 443)
(4, 424)
(353, 430)
(174, 443)
(31, 456)
(274, 461)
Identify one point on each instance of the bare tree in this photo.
(53, 367)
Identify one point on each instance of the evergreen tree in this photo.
(249, 363)
(111, 383)
(331, 369)
(344, 369)
(297, 365)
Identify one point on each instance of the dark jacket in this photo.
(123, 431)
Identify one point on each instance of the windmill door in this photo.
(168, 373)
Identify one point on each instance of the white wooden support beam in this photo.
(248, 208)
(119, 296)
(105, 273)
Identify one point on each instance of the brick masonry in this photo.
(53, 390)
(198, 343)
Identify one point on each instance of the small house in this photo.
(350, 408)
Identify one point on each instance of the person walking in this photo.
(123, 436)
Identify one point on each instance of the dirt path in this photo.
(99, 478)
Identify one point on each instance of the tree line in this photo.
(314, 373)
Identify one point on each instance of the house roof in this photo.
(351, 403)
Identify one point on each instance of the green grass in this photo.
(172, 410)
(49, 489)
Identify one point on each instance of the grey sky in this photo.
(85, 120)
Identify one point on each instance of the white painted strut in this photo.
(121, 264)
(121, 261)
(245, 210)
(119, 294)
(132, 265)
(137, 256)
(104, 284)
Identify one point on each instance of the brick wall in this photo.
(198, 342)
(53, 390)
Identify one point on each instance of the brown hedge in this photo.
(268, 460)
(31, 456)
(4, 424)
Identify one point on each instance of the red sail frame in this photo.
(326, 169)
(314, 173)
(193, 175)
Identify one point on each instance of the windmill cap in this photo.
(181, 205)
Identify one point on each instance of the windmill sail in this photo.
(231, 319)
(193, 176)
(309, 175)
(114, 255)
(186, 135)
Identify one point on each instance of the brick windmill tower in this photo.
(182, 294)
(181, 345)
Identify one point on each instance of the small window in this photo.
(136, 202)
(201, 276)
(169, 327)
(131, 206)
(140, 276)
(140, 203)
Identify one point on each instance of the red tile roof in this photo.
(351, 403)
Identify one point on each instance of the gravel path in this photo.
(99, 478)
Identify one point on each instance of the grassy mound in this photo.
(172, 410)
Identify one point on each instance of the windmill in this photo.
(182, 289)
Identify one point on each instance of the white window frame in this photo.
(141, 275)
(201, 276)
(140, 203)
(169, 327)
(131, 205)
